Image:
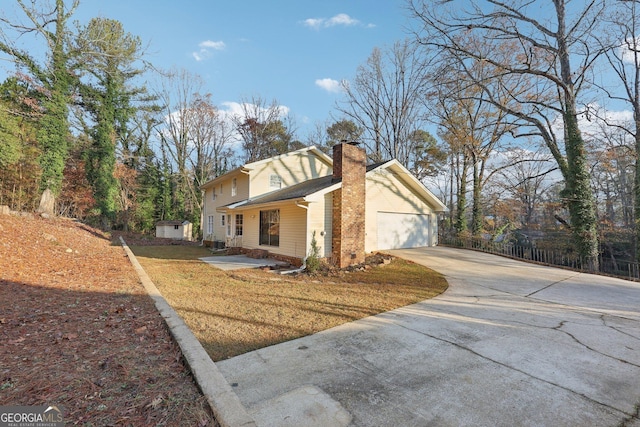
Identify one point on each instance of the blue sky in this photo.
(293, 51)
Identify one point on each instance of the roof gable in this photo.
(247, 167)
(409, 180)
(314, 188)
(312, 149)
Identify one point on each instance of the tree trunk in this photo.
(476, 210)
(47, 203)
(461, 202)
(636, 190)
(579, 196)
(578, 193)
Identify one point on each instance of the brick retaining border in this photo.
(225, 404)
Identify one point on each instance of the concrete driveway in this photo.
(508, 344)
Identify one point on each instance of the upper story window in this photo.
(213, 196)
(221, 188)
(234, 187)
(275, 182)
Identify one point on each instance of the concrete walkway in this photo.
(507, 344)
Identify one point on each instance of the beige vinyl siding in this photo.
(291, 169)
(242, 189)
(223, 199)
(209, 209)
(293, 229)
(386, 193)
(320, 221)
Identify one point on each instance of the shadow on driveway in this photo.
(508, 343)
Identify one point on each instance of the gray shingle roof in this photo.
(297, 191)
(301, 190)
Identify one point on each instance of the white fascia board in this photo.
(313, 148)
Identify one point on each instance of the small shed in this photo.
(174, 229)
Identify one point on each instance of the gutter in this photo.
(203, 214)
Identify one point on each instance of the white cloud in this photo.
(593, 119)
(628, 50)
(330, 85)
(341, 19)
(210, 44)
(314, 23)
(205, 49)
(237, 109)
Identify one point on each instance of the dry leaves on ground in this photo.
(77, 330)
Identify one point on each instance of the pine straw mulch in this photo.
(78, 330)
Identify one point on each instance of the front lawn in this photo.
(239, 311)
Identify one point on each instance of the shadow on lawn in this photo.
(103, 356)
(177, 252)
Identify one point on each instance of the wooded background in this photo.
(521, 116)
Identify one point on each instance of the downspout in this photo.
(203, 214)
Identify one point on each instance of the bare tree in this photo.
(177, 94)
(260, 125)
(195, 137)
(526, 178)
(622, 48)
(211, 136)
(507, 36)
(612, 158)
(474, 127)
(455, 133)
(386, 100)
(318, 137)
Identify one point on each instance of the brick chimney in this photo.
(349, 165)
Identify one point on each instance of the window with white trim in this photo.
(234, 187)
(223, 217)
(210, 224)
(213, 195)
(239, 223)
(275, 182)
(229, 226)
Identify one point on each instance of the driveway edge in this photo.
(224, 403)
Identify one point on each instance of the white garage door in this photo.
(397, 230)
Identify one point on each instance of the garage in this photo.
(401, 230)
